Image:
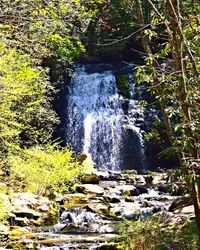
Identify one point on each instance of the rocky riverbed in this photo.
(89, 217)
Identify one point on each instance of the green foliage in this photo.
(123, 85)
(151, 234)
(35, 34)
(25, 111)
(41, 168)
(139, 234)
(46, 29)
(170, 71)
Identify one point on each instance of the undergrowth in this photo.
(50, 167)
(151, 234)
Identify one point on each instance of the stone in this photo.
(148, 179)
(171, 219)
(86, 161)
(188, 210)
(110, 211)
(180, 202)
(108, 228)
(141, 189)
(108, 184)
(111, 199)
(102, 175)
(30, 209)
(124, 190)
(24, 200)
(91, 179)
(129, 171)
(89, 189)
(127, 189)
(159, 179)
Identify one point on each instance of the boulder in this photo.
(30, 209)
(188, 210)
(91, 179)
(89, 189)
(149, 179)
(141, 189)
(111, 199)
(126, 190)
(171, 219)
(180, 203)
(108, 184)
(102, 175)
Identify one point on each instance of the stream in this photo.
(89, 218)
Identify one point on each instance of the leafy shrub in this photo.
(26, 115)
(151, 234)
(46, 167)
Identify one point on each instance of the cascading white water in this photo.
(95, 118)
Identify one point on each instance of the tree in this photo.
(26, 115)
(172, 73)
(45, 29)
(35, 36)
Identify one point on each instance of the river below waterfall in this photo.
(89, 217)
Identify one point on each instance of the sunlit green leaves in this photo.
(24, 108)
(46, 167)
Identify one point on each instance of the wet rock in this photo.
(24, 244)
(115, 176)
(107, 228)
(188, 210)
(180, 202)
(131, 180)
(29, 209)
(170, 219)
(90, 189)
(102, 227)
(72, 228)
(108, 184)
(110, 211)
(129, 172)
(102, 175)
(86, 161)
(139, 179)
(141, 189)
(91, 179)
(111, 199)
(162, 188)
(79, 215)
(4, 233)
(128, 210)
(77, 198)
(110, 246)
(148, 179)
(159, 179)
(123, 190)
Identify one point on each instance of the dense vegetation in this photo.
(36, 36)
(172, 71)
(152, 234)
(39, 39)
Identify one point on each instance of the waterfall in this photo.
(96, 122)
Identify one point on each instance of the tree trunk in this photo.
(176, 36)
(175, 25)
